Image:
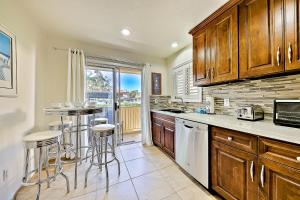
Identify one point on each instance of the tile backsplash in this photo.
(260, 92)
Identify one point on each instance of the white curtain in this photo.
(75, 88)
(146, 120)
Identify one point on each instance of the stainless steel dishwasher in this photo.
(192, 149)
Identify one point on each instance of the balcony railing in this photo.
(131, 118)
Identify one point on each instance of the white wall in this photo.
(17, 114)
(51, 82)
(181, 56)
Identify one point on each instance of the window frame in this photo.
(188, 80)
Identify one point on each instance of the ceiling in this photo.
(154, 24)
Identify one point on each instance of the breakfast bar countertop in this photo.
(265, 128)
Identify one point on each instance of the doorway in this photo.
(130, 104)
(118, 91)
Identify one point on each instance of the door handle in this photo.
(262, 174)
(252, 171)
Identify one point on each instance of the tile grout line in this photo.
(130, 177)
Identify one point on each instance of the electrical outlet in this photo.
(3, 175)
(226, 102)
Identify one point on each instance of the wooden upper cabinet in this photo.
(200, 59)
(292, 40)
(223, 43)
(261, 37)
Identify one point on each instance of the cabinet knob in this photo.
(229, 139)
(298, 158)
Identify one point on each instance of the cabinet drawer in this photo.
(236, 139)
(163, 117)
(282, 152)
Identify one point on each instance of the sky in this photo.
(130, 82)
(4, 44)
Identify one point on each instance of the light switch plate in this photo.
(226, 102)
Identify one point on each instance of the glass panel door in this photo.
(100, 88)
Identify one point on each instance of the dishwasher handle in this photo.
(187, 126)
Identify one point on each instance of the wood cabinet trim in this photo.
(242, 141)
(280, 152)
(214, 15)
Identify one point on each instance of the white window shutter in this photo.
(183, 84)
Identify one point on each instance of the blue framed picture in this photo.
(8, 63)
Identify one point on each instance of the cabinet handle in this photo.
(278, 56)
(229, 139)
(290, 53)
(262, 173)
(213, 73)
(298, 158)
(252, 171)
(208, 73)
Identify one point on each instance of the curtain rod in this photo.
(106, 59)
(60, 49)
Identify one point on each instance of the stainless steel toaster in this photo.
(250, 112)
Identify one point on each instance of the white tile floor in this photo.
(146, 174)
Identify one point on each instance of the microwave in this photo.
(287, 112)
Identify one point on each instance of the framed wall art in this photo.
(156, 83)
(8, 63)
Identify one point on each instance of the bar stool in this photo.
(102, 132)
(65, 126)
(43, 140)
(101, 120)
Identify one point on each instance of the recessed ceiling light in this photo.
(125, 32)
(174, 45)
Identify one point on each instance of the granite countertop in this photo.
(265, 128)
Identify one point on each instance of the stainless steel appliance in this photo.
(192, 149)
(250, 112)
(287, 112)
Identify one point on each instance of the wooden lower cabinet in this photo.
(163, 132)
(169, 140)
(234, 174)
(278, 181)
(156, 133)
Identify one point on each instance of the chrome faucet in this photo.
(183, 107)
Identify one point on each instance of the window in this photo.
(183, 84)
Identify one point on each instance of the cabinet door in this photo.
(234, 174)
(292, 40)
(278, 181)
(156, 132)
(261, 49)
(200, 59)
(169, 140)
(224, 47)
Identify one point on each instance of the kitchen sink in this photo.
(172, 110)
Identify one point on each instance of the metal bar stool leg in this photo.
(39, 173)
(114, 154)
(47, 167)
(59, 166)
(106, 168)
(92, 161)
(101, 152)
(98, 154)
(26, 166)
